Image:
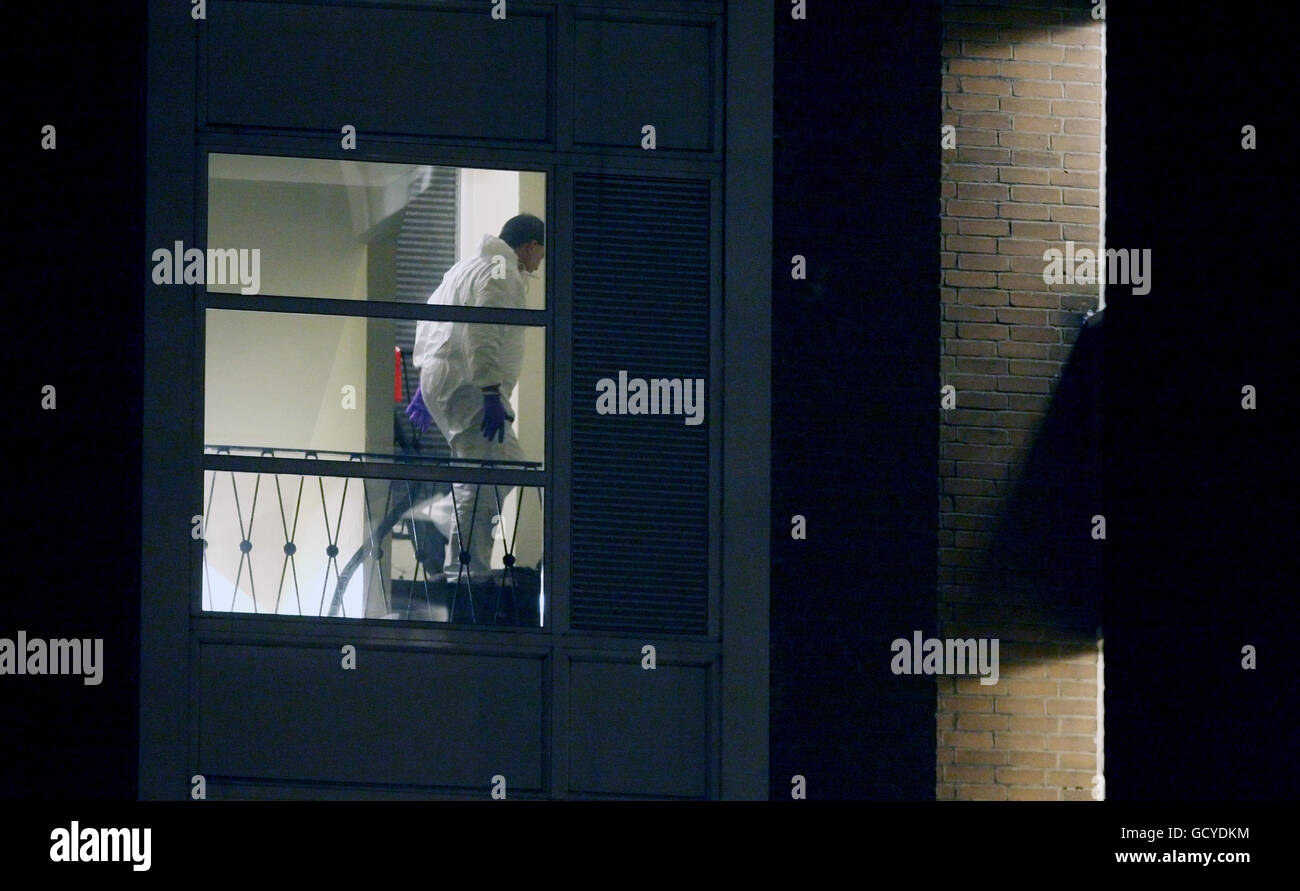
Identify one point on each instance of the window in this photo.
(321, 496)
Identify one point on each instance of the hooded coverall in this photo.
(457, 361)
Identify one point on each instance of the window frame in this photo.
(544, 318)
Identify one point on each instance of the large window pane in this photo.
(308, 545)
(360, 230)
(342, 384)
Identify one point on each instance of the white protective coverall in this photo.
(456, 361)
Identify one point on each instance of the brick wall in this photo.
(1022, 83)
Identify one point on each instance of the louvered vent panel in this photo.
(426, 248)
(639, 522)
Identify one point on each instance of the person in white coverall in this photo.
(468, 371)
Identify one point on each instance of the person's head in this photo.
(526, 235)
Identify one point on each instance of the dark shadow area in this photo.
(1200, 491)
(72, 492)
(1042, 573)
(854, 424)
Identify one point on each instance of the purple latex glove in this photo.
(495, 415)
(418, 412)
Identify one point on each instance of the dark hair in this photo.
(522, 229)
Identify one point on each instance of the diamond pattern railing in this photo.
(387, 523)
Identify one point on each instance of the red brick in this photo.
(1090, 57)
(985, 191)
(983, 227)
(958, 208)
(1031, 759)
(966, 739)
(1079, 761)
(1070, 778)
(1028, 158)
(1025, 70)
(1020, 776)
(1087, 92)
(982, 155)
(1072, 670)
(984, 120)
(1032, 229)
(1071, 743)
(1024, 34)
(1078, 725)
(1028, 793)
(1030, 247)
(1076, 73)
(1076, 180)
(1020, 281)
(1024, 105)
(1028, 123)
(976, 50)
(982, 366)
(1034, 369)
(971, 172)
(1081, 689)
(1075, 143)
(970, 347)
(968, 774)
(1072, 108)
(1022, 140)
(1077, 707)
(1015, 706)
(1027, 742)
(967, 704)
(972, 102)
(970, 278)
(1038, 53)
(970, 314)
(1038, 89)
(977, 68)
(994, 87)
(1017, 316)
(1077, 35)
(1030, 175)
(982, 296)
(1033, 688)
(1023, 670)
(982, 793)
(991, 262)
(1036, 194)
(980, 756)
(1025, 212)
(1034, 724)
(1089, 197)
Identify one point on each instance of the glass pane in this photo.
(290, 381)
(303, 545)
(360, 230)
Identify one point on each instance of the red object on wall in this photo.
(397, 375)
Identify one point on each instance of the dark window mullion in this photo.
(376, 309)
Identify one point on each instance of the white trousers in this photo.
(472, 529)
